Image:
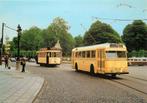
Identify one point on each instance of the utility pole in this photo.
(18, 46)
(1, 43)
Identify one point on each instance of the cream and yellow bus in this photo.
(140, 61)
(48, 57)
(108, 58)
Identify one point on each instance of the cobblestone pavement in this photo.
(17, 87)
(64, 85)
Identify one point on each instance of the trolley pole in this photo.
(1, 43)
(18, 47)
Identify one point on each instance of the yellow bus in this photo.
(46, 56)
(107, 58)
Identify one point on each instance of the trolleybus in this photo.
(48, 57)
(108, 58)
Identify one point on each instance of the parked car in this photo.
(12, 59)
(32, 60)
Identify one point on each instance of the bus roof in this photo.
(105, 45)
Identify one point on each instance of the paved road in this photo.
(17, 87)
(64, 85)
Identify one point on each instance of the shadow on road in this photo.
(104, 76)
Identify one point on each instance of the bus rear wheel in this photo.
(76, 67)
(92, 70)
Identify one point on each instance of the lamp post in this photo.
(1, 43)
(18, 46)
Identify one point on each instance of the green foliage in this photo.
(140, 53)
(58, 30)
(35, 38)
(135, 36)
(101, 33)
(31, 39)
(28, 54)
(13, 44)
(78, 41)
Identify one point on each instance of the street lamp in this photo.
(18, 46)
(1, 43)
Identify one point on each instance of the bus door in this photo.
(101, 59)
(47, 58)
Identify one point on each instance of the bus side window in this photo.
(88, 54)
(54, 54)
(83, 54)
(49, 54)
(76, 54)
(92, 54)
(80, 54)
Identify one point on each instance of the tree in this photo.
(135, 35)
(58, 30)
(101, 33)
(35, 38)
(31, 39)
(13, 44)
(78, 41)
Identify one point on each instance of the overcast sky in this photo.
(40, 13)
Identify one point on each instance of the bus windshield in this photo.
(115, 54)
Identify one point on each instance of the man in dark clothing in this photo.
(6, 61)
(23, 63)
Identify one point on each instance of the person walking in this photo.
(23, 63)
(6, 61)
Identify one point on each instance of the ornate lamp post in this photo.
(1, 43)
(18, 46)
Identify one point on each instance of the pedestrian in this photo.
(23, 63)
(6, 61)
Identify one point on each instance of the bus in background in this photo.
(140, 61)
(49, 57)
(108, 58)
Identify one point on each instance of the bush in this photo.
(28, 54)
(140, 53)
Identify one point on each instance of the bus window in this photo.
(80, 54)
(76, 54)
(116, 54)
(88, 54)
(55, 54)
(83, 54)
(92, 54)
(121, 54)
(49, 54)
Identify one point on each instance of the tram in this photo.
(107, 58)
(49, 57)
(140, 61)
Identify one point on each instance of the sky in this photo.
(41, 13)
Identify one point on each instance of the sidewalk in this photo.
(17, 87)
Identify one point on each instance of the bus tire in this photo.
(92, 70)
(113, 75)
(76, 67)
